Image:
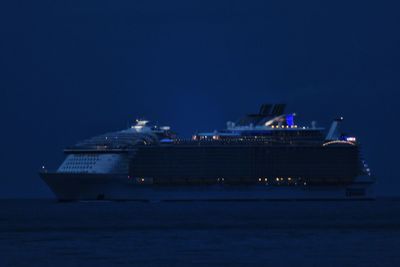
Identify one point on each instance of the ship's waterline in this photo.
(90, 187)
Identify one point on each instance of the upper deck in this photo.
(271, 126)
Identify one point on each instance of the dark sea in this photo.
(257, 233)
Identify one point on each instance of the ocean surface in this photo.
(257, 233)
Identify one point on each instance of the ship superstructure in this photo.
(261, 156)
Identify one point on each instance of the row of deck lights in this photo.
(217, 137)
(277, 179)
(280, 179)
(283, 126)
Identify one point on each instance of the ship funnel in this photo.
(272, 110)
(333, 133)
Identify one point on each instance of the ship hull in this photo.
(75, 187)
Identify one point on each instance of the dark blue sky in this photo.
(73, 69)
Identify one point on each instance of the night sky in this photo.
(73, 69)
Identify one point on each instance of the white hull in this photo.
(103, 187)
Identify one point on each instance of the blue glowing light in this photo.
(166, 140)
(289, 120)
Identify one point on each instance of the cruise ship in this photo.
(261, 156)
